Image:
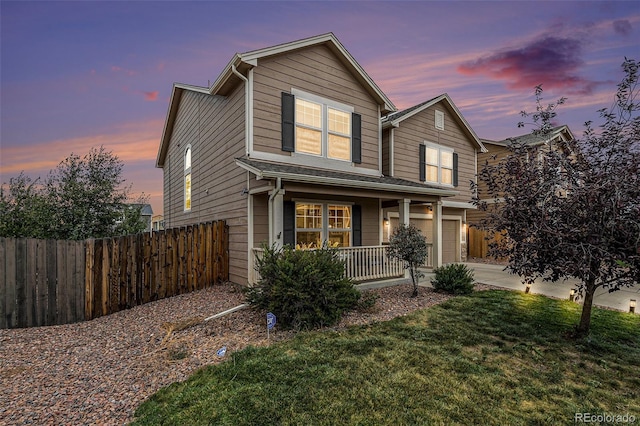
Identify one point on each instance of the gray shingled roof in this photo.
(349, 179)
(396, 115)
(529, 138)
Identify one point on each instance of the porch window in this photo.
(317, 223)
(339, 226)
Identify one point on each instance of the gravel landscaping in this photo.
(99, 371)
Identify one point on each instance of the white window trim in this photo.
(325, 104)
(324, 232)
(187, 171)
(440, 149)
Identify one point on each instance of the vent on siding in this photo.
(439, 120)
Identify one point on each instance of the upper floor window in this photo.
(317, 126)
(438, 164)
(187, 178)
(322, 129)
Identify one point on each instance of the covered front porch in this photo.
(306, 208)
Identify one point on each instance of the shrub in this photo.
(303, 288)
(454, 278)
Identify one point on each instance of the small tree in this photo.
(572, 210)
(408, 245)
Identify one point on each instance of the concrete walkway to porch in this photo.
(495, 275)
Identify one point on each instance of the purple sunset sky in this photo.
(76, 75)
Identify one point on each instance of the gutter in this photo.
(246, 107)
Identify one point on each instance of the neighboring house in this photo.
(497, 150)
(157, 222)
(146, 213)
(296, 144)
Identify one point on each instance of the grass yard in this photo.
(492, 358)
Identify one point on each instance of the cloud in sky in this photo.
(622, 27)
(151, 96)
(552, 61)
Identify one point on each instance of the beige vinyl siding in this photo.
(419, 128)
(214, 127)
(314, 70)
(260, 220)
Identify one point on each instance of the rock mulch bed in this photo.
(99, 371)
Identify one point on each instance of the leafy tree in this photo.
(81, 198)
(572, 209)
(409, 245)
(24, 209)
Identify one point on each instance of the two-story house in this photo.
(296, 144)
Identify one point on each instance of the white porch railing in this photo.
(361, 263)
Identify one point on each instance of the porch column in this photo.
(437, 233)
(404, 207)
(276, 215)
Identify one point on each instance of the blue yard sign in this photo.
(220, 352)
(271, 320)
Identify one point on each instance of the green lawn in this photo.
(495, 357)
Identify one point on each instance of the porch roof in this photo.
(292, 173)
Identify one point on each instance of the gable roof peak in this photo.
(395, 118)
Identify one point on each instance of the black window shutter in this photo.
(423, 163)
(288, 122)
(356, 213)
(356, 138)
(289, 223)
(455, 169)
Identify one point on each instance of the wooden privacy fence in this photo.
(45, 282)
(41, 282)
(479, 242)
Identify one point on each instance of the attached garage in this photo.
(450, 236)
(450, 241)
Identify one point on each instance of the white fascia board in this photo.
(286, 47)
(257, 172)
(252, 58)
(192, 88)
(458, 204)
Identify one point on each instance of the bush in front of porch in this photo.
(305, 289)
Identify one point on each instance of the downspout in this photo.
(246, 108)
(274, 193)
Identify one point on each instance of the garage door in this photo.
(450, 238)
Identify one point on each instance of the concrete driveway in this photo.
(494, 275)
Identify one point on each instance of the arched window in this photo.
(187, 178)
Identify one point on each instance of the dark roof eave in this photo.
(291, 176)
